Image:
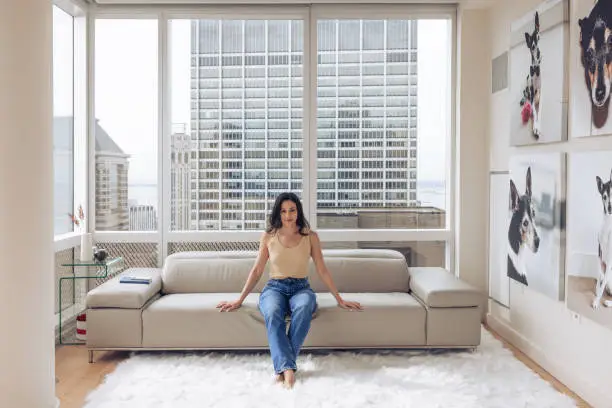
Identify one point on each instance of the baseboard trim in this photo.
(564, 374)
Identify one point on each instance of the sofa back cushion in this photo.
(363, 270)
(208, 272)
(353, 270)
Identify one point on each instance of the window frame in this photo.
(78, 10)
(310, 14)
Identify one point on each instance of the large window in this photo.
(382, 123)
(237, 112)
(63, 119)
(126, 124)
(350, 108)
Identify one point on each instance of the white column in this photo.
(472, 161)
(27, 359)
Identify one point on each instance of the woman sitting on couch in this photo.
(288, 243)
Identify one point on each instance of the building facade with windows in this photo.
(247, 119)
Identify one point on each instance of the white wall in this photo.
(473, 87)
(571, 348)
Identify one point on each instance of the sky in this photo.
(126, 91)
(62, 55)
(62, 106)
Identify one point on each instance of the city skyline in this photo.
(134, 112)
(145, 155)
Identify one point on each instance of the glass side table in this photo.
(100, 271)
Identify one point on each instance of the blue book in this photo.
(134, 279)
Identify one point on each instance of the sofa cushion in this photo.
(437, 287)
(353, 270)
(209, 272)
(188, 320)
(192, 320)
(363, 271)
(125, 295)
(388, 320)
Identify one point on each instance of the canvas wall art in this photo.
(499, 210)
(535, 232)
(591, 67)
(538, 75)
(589, 236)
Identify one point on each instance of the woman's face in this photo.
(289, 213)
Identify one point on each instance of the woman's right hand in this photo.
(225, 306)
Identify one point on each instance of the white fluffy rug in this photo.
(489, 377)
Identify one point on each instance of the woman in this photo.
(288, 243)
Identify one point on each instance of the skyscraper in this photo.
(246, 118)
(143, 217)
(180, 176)
(112, 212)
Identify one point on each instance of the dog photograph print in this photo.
(591, 67)
(589, 236)
(499, 284)
(535, 229)
(538, 80)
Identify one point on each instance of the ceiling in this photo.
(466, 3)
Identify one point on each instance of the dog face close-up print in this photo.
(538, 80)
(589, 236)
(591, 67)
(535, 230)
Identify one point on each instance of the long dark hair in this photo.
(275, 222)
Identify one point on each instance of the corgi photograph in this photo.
(538, 81)
(589, 238)
(536, 223)
(592, 67)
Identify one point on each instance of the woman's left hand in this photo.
(350, 305)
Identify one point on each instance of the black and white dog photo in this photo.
(604, 250)
(533, 87)
(538, 80)
(522, 233)
(596, 58)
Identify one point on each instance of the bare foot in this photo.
(279, 378)
(289, 378)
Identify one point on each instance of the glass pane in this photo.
(63, 120)
(236, 109)
(126, 89)
(417, 253)
(383, 121)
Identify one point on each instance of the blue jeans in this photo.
(279, 298)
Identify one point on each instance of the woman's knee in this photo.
(306, 302)
(272, 308)
(273, 312)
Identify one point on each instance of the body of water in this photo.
(146, 194)
(143, 194)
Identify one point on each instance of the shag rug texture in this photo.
(489, 377)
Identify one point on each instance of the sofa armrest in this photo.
(436, 287)
(113, 294)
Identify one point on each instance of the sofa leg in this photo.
(91, 356)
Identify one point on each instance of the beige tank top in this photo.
(288, 262)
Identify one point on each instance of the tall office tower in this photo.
(111, 163)
(180, 154)
(247, 91)
(143, 217)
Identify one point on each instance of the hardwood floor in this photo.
(76, 377)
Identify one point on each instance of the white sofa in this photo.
(404, 307)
